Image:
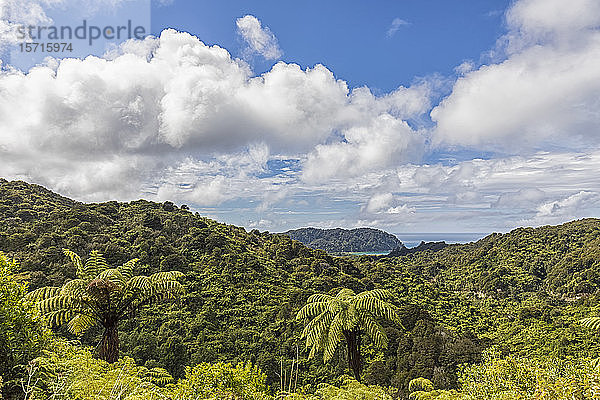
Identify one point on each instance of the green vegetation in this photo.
(521, 294)
(103, 296)
(22, 333)
(339, 240)
(346, 317)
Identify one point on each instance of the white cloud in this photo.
(544, 95)
(397, 23)
(170, 109)
(259, 38)
(379, 202)
(578, 205)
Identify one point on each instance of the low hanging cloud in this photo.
(259, 38)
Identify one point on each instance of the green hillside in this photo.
(346, 240)
(521, 293)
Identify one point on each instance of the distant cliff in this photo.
(346, 240)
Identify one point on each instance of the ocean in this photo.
(414, 239)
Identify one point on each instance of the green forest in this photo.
(145, 300)
(346, 240)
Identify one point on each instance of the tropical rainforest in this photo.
(205, 310)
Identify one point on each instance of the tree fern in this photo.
(104, 296)
(330, 320)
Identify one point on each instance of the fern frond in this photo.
(158, 376)
(76, 260)
(378, 308)
(59, 317)
(334, 336)
(312, 310)
(319, 298)
(127, 269)
(380, 294)
(591, 322)
(113, 275)
(42, 293)
(80, 323)
(166, 276)
(375, 331)
(95, 264)
(74, 288)
(139, 283)
(55, 303)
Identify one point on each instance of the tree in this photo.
(103, 296)
(346, 316)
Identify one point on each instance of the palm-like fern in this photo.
(592, 323)
(103, 296)
(346, 316)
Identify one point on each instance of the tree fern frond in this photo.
(166, 276)
(319, 298)
(158, 376)
(139, 283)
(113, 275)
(80, 323)
(74, 288)
(375, 331)
(317, 329)
(55, 303)
(380, 294)
(59, 317)
(76, 260)
(334, 336)
(311, 310)
(345, 294)
(43, 293)
(378, 308)
(591, 322)
(95, 264)
(127, 269)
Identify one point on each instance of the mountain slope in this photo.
(343, 240)
(523, 291)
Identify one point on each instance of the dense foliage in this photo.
(523, 292)
(22, 333)
(346, 240)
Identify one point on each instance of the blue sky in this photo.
(409, 116)
(351, 37)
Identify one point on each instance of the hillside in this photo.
(523, 292)
(346, 240)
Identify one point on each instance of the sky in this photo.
(405, 115)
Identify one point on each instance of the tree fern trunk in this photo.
(109, 347)
(353, 344)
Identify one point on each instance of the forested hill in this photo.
(523, 292)
(346, 240)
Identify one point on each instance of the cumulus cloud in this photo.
(543, 95)
(171, 109)
(259, 38)
(577, 205)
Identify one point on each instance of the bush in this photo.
(22, 332)
(71, 372)
(221, 381)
